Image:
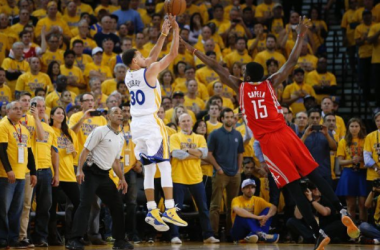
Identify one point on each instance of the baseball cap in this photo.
(97, 50)
(3, 103)
(178, 93)
(277, 5)
(335, 99)
(248, 182)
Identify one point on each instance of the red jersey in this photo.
(260, 107)
(32, 52)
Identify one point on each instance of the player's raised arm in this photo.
(156, 67)
(286, 69)
(223, 73)
(155, 52)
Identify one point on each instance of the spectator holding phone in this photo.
(352, 183)
(371, 231)
(319, 140)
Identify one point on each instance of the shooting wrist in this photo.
(194, 51)
(164, 34)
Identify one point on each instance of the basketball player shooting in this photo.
(147, 129)
(285, 154)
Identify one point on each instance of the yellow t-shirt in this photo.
(88, 43)
(254, 205)
(50, 56)
(144, 52)
(261, 46)
(370, 145)
(106, 60)
(110, 8)
(347, 19)
(29, 82)
(211, 127)
(187, 58)
(73, 72)
(365, 50)
(376, 47)
(234, 56)
(42, 149)
(5, 94)
(48, 23)
(226, 89)
(8, 134)
(187, 171)
(72, 22)
(11, 64)
(104, 70)
(4, 46)
(277, 26)
(359, 15)
(248, 147)
(190, 102)
(326, 79)
(66, 159)
(202, 89)
(82, 61)
(86, 128)
(356, 149)
(206, 75)
(298, 105)
(264, 10)
(109, 86)
(83, 8)
(307, 63)
(41, 13)
(10, 11)
(17, 28)
(239, 30)
(265, 55)
(52, 99)
(145, 17)
(219, 23)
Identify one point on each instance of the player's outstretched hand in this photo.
(303, 26)
(188, 46)
(166, 26)
(173, 22)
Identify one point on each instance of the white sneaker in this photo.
(376, 242)
(176, 240)
(211, 239)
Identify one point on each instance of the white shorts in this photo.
(150, 138)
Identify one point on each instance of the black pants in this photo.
(71, 190)
(207, 181)
(97, 182)
(130, 199)
(335, 230)
(304, 205)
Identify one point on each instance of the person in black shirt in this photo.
(106, 33)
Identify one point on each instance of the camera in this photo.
(376, 183)
(307, 184)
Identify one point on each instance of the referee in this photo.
(101, 153)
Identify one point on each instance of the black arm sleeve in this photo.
(4, 157)
(31, 162)
(12, 75)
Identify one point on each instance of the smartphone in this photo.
(96, 113)
(316, 127)
(33, 104)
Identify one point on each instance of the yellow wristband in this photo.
(164, 34)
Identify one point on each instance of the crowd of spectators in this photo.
(62, 70)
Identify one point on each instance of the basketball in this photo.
(175, 7)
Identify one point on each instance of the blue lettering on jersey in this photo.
(133, 83)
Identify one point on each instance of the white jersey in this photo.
(145, 100)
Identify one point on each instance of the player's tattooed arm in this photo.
(286, 69)
(224, 74)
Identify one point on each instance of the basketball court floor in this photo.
(230, 246)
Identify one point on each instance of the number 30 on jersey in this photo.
(138, 97)
(260, 109)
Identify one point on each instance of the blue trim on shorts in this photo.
(147, 81)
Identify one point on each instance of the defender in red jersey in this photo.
(285, 154)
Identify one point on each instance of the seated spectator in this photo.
(264, 11)
(110, 85)
(251, 216)
(235, 25)
(31, 49)
(81, 59)
(84, 36)
(71, 17)
(306, 61)
(106, 33)
(53, 53)
(323, 82)
(75, 80)
(239, 55)
(294, 93)
(206, 75)
(5, 91)
(352, 183)
(96, 68)
(329, 221)
(180, 84)
(309, 102)
(319, 140)
(219, 91)
(178, 99)
(269, 53)
(277, 21)
(370, 231)
(166, 103)
(218, 14)
(257, 44)
(107, 46)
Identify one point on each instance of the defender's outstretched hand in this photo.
(188, 46)
(303, 25)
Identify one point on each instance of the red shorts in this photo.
(286, 156)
